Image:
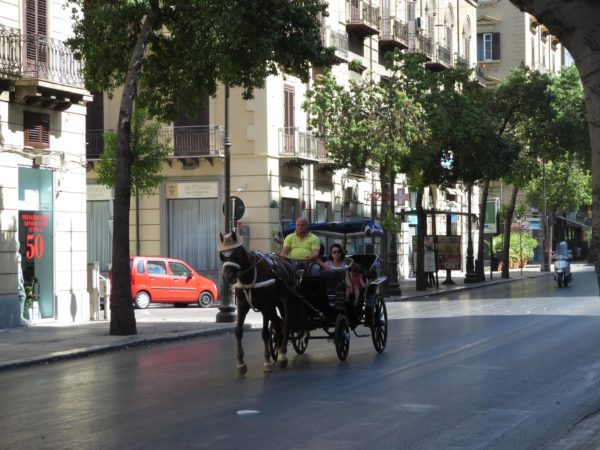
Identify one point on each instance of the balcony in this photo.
(480, 75)
(337, 39)
(362, 18)
(191, 142)
(461, 60)
(40, 70)
(441, 59)
(424, 45)
(394, 34)
(301, 146)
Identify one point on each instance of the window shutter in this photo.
(36, 13)
(495, 46)
(37, 130)
(288, 107)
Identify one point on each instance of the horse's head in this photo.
(233, 256)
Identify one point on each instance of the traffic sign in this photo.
(237, 207)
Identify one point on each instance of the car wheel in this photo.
(142, 300)
(206, 299)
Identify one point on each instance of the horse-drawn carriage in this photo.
(297, 304)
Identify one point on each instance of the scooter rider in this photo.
(562, 265)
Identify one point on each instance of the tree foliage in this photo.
(566, 186)
(169, 55)
(148, 155)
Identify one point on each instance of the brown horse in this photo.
(262, 282)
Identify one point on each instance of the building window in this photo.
(288, 119)
(37, 129)
(488, 46)
(36, 30)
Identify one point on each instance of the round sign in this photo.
(237, 208)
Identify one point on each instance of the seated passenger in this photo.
(337, 258)
(357, 282)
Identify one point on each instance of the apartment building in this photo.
(42, 167)
(507, 37)
(279, 170)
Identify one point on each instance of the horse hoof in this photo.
(267, 367)
(242, 369)
(282, 362)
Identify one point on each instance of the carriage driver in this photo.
(302, 247)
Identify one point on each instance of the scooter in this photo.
(562, 265)
(562, 271)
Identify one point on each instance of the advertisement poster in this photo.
(449, 257)
(429, 253)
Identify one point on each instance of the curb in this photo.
(135, 342)
(439, 292)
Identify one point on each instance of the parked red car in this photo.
(168, 280)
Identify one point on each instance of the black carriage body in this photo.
(320, 301)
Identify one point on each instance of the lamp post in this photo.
(470, 276)
(545, 266)
(226, 312)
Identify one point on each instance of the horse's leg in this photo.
(242, 311)
(267, 365)
(282, 360)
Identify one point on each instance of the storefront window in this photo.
(36, 239)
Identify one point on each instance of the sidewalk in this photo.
(42, 343)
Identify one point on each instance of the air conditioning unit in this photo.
(42, 160)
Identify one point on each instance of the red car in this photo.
(168, 280)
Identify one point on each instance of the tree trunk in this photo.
(508, 221)
(480, 247)
(421, 282)
(576, 26)
(122, 320)
(385, 238)
(393, 253)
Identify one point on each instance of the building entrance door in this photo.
(36, 239)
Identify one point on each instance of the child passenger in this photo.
(357, 282)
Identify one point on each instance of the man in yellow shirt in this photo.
(301, 246)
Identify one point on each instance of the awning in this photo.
(573, 222)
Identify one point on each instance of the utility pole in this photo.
(226, 312)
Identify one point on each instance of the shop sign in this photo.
(209, 189)
(97, 192)
(34, 226)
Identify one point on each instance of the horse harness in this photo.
(247, 287)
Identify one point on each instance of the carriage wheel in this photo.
(379, 325)
(272, 341)
(300, 341)
(341, 337)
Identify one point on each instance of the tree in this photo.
(371, 124)
(568, 186)
(170, 55)
(575, 24)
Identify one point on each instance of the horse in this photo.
(263, 282)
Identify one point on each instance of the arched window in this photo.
(466, 40)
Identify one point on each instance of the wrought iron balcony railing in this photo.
(294, 143)
(424, 44)
(36, 56)
(186, 142)
(10, 51)
(461, 60)
(394, 31)
(362, 17)
(337, 39)
(444, 55)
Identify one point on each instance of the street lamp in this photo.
(226, 312)
(471, 276)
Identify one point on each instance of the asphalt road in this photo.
(512, 366)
